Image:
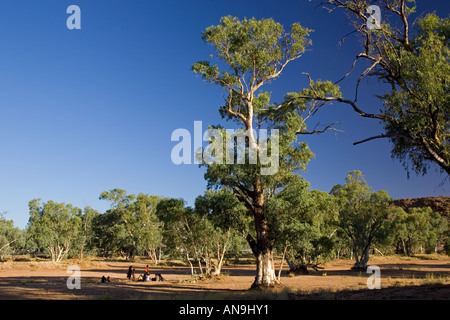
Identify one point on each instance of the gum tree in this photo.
(122, 220)
(137, 216)
(419, 227)
(250, 54)
(185, 232)
(11, 238)
(109, 233)
(229, 221)
(54, 226)
(412, 58)
(148, 226)
(362, 215)
(86, 233)
(305, 224)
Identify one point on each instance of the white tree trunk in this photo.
(265, 271)
(282, 262)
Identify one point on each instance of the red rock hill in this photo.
(437, 204)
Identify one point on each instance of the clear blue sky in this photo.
(83, 111)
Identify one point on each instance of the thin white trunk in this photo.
(218, 267)
(282, 261)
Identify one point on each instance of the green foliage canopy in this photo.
(54, 226)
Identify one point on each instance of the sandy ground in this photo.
(401, 278)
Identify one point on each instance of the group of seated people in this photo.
(131, 275)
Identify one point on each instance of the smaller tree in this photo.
(54, 226)
(110, 235)
(86, 233)
(11, 237)
(302, 221)
(120, 206)
(229, 219)
(137, 217)
(148, 225)
(447, 242)
(362, 214)
(201, 235)
(438, 227)
(417, 230)
(181, 230)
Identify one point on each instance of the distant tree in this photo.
(137, 216)
(438, 227)
(54, 226)
(149, 229)
(86, 233)
(202, 236)
(419, 229)
(362, 214)
(414, 63)
(304, 224)
(120, 203)
(229, 219)
(447, 242)
(182, 234)
(11, 238)
(110, 235)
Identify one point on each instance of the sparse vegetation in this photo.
(422, 277)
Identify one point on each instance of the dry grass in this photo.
(411, 277)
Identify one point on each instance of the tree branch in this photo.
(248, 204)
(351, 103)
(328, 127)
(272, 75)
(373, 138)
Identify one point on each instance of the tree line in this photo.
(309, 227)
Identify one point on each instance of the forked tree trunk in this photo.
(190, 263)
(361, 264)
(220, 256)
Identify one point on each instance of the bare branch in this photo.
(366, 72)
(315, 131)
(351, 103)
(373, 138)
(273, 75)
